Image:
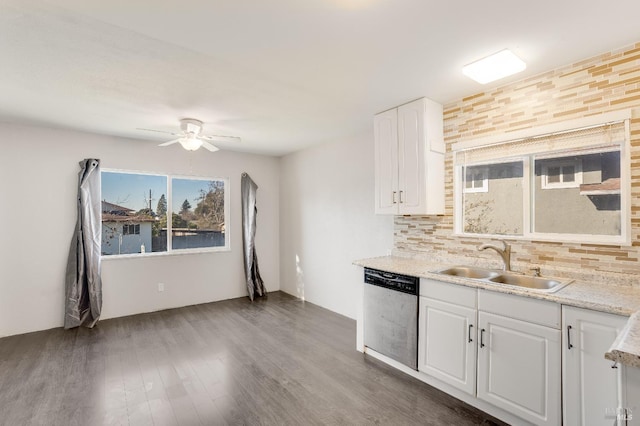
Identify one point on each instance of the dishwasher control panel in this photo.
(403, 283)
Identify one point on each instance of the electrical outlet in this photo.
(160, 286)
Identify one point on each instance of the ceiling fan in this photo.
(190, 137)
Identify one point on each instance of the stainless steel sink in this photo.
(547, 285)
(535, 283)
(470, 272)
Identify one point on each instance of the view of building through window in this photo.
(496, 205)
(136, 208)
(578, 194)
(569, 193)
(198, 213)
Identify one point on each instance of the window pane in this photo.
(198, 213)
(129, 221)
(498, 210)
(469, 182)
(553, 175)
(478, 179)
(591, 206)
(470, 178)
(568, 174)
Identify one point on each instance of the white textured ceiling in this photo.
(282, 74)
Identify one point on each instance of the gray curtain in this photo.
(83, 285)
(255, 285)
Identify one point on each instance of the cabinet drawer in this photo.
(447, 292)
(519, 307)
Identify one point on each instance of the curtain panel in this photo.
(255, 285)
(83, 285)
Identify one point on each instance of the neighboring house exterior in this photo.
(586, 187)
(493, 199)
(124, 231)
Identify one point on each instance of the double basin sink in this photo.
(546, 285)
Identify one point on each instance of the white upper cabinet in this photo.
(409, 159)
(386, 139)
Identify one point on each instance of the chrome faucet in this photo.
(504, 252)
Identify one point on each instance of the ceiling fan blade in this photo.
(158, 131)
(219, 137)
(170, 142)
(210, 147)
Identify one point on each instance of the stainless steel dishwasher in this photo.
(391, 315)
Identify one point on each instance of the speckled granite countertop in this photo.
(611, 298)
(626, 348)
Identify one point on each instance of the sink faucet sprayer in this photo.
(504, 252)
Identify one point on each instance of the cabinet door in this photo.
(411, 156)
(590, 386)
(385, 127)
(519, 368)
(447, 343)
(632, 398)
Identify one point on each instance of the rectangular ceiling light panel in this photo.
(494, 67)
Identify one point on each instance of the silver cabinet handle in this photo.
(569, 345)
(470, 327)
(401, 197)
(482, 338)
(393, 197)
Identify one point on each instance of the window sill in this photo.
(181, 252)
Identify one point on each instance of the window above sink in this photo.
(567, 182)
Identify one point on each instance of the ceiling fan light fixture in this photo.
(494, 67)
(191, 138)
(190, 143)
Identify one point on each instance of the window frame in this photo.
(169, 198)
(136, 229)
(623, 239)
(577, 174)
(485, 181)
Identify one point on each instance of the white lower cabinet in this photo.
(448, 343)
(503, 348)
(632, 402)
(519, 368)
(519, 356)
(531, 358)
(594, 392)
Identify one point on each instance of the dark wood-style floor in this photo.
(277, 361)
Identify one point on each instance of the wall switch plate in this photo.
(160, 286)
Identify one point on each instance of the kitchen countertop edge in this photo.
(624, 301)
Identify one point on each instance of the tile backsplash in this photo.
(594, 86)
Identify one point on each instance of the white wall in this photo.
(327, 221)
(38, 178)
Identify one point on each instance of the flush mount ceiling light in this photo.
(494, 67)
